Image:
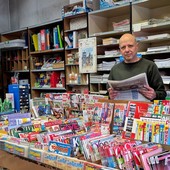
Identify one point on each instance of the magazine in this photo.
(128, 88)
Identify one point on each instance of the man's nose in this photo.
(126, 48)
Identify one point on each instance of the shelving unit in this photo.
(14, 55)
(47, 70)
(75, 28)
(151, 24)
(101, 26)
(101, 21)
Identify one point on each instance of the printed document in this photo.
(128, 88)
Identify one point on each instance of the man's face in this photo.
(128, 48)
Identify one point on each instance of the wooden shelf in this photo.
(69, 49)
(43, 55)
(46, 70)
(47, 51)
(108, 12)
(154, 53)
(14, 57)
(71, 64)
(75, 84)
(152, 4)
(105, 57)
(155, 40)
(48, 88)
(109, 33)
(78, 29)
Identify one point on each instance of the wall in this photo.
(4, 15)
(16, 14)
(24, 13)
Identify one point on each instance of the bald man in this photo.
(132, 66)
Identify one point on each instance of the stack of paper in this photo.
(168, 93)
(166, 79)
(139, 25)
(112, 52)
(106, 65)
(105, 78)
(100, 66)
(107, 41)
(158, 49)
(95, 78)
(122, 25)
(162, 63)
(158, 36)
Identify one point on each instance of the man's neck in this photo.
(133, 61)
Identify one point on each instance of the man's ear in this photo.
(137, 44)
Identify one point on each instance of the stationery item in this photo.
(42, 32)
(35, 41)
(55, 38)
(59, 37)
(47, 34)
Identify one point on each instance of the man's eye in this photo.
(130, 46)
(124, 47)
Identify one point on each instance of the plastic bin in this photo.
(14, 43)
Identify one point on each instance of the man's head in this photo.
(128, 48)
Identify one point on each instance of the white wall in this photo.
(24, 13)
(16, 14)
(4, 15)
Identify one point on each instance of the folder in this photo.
(59, 37)
(35, 41)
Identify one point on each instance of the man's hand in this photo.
(112, 93)
(148, 92)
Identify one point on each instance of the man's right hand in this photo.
(112, 93)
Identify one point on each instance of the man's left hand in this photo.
(148, 92)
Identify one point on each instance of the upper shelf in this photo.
(152, 3)
(108, 12)
(47, 51)
(153, 53)
(78, 29)
(109, 33)
(76, 15)
(156, 27)
(155, 40)
(46, 70)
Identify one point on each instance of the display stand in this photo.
(13, 162)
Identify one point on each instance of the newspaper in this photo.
(128, 88)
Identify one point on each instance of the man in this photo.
(133, 65)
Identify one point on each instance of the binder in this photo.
(47, 33)
(42, 32)
(39, 41)
(35, 41)
(59, 37)
(55, 38)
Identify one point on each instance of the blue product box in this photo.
(106, 4)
